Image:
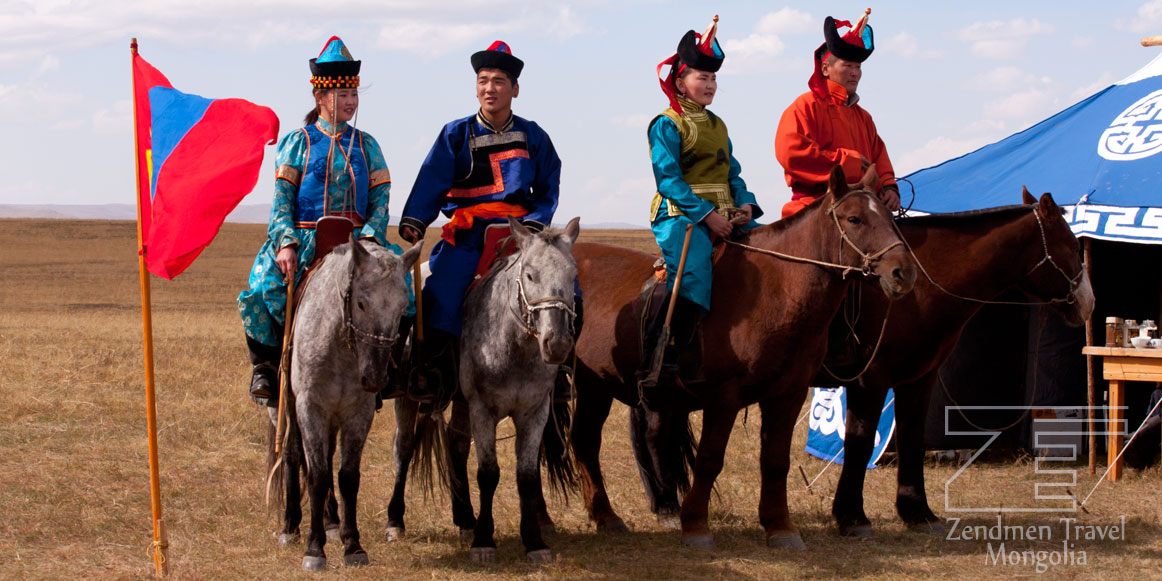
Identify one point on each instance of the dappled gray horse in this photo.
(517, 331)
(345, 326)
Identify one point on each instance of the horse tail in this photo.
(431, 437)
(683, 451)
(556, 453)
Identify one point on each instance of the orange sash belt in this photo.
(463, 218)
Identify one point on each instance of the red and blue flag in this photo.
(196, 158)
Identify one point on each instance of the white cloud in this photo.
(635, 121)
(1023, 105)
(1106, 79)
(567, 24)
(787, 21)
(1001, 40)
(1149, 19)
(47, 64)
(908, 46)
(115, 119)
(431, 39)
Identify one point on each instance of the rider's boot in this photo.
(686, 333)
(435, 375)
(396, 380)
(264, 375)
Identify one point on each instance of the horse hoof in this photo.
(928, 528)
(857, 531)
(287, 539)
(670, 520)
(612, 526)
(548, 530)
(541, 557)
(314, 563)
(333, 533)
(786, 541)
(356, 559)
(699, 542)
(393, 534)
(483, 555)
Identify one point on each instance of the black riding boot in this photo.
(563, 388)
(434, 377)
(264, 377)
(683, 352)
(397, 379)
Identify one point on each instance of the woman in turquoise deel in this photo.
(698, 183)
(325, 168)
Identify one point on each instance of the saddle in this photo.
(650, 303)
(330, 231)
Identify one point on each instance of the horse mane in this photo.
(943, 219)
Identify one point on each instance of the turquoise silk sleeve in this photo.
(378, 197)
(665, 149)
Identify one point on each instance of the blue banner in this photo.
(826, 426)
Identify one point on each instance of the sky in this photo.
(945, 79)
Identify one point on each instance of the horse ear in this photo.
(1026, 197)
(1048, 206)
(870, 179)
(410, 257)
(837, 183)
(572, 230)
(519, 232)
(359, 254)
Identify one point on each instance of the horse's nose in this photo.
(904, 277)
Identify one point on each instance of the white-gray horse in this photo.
(517, 331)
(345, 326)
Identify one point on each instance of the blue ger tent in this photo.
(1099, 158)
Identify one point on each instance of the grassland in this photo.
(74, 485)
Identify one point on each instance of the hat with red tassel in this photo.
(334, 68)
(697, 51)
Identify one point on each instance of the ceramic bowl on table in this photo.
(1140, 342)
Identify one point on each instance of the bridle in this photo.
(1074, 281)
(352, 332)
(528, 309)
(867, 259)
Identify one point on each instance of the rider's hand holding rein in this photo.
(410, 234)
(719, 227)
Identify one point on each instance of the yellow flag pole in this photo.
(160, 543)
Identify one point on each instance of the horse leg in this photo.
(483, 548)
(459, 446)
(864, 405)
(292, 465)
(717, 423)
(403, 449)
(318, 446)
(530, 425)
(354, 432)
(778, 426)
(911, 499)
(332, 522)
(588, 418)
(649, 430)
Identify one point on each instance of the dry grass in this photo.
(74, 481)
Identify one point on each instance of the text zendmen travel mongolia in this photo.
(1020, 554)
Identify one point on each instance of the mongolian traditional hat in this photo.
(856, 44)
(498, 56)
(334, 68)
(697, 51)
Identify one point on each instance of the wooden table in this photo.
(1120, 365)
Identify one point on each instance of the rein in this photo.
(868, 259)
(1074, 281)
(530, 308)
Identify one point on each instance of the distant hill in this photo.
(244, 214)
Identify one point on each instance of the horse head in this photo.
(375, 298)
(870, 243)
(1058, 274)
(545, 271)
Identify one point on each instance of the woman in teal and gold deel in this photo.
(698, 183)
(326, 168)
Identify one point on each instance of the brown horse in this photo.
(968, 258)
(974, 257)
(764, 341)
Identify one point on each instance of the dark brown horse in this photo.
(764, 341)
(968, 259)
(974, 256)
